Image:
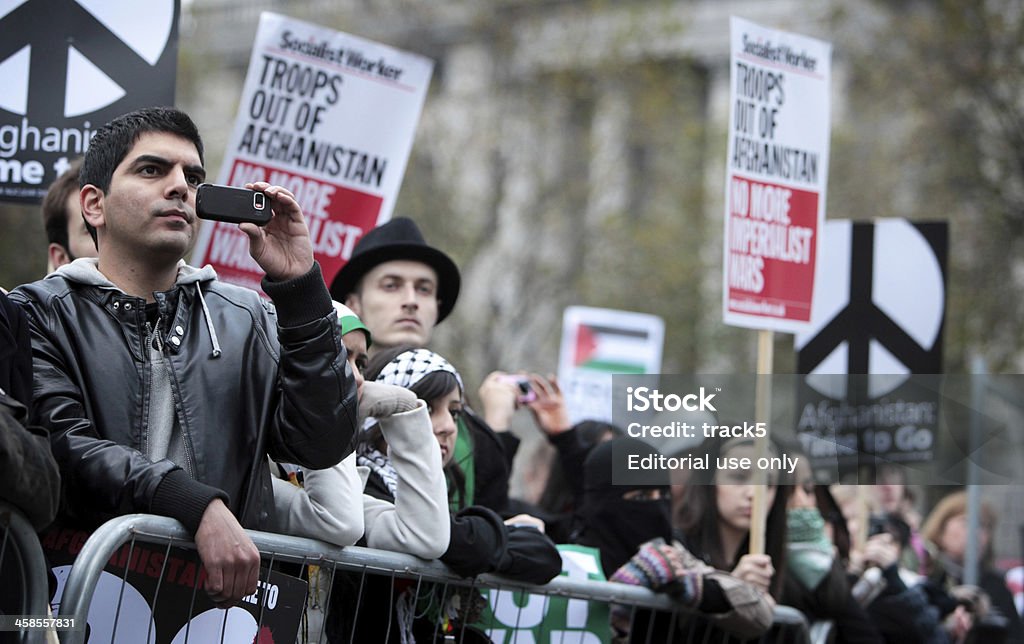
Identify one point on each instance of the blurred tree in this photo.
(22, 245)
(937, 132)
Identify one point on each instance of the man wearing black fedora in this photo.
(399, 286)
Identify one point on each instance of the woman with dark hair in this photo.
(816, 582)
(618, 519)
(714, 518)
(330, 505)
(480, 541)
(631, 528)
(432, 380)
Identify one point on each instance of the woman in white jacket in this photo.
(330, 504)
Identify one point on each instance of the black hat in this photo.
(398, 239)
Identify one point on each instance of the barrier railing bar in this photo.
(191, 605)
(673, 621)
(462, 622)
(261, 594)
(359, 604)
(690, 634)
(102, 544)
(150, 633)
(429, 606)
(107, 538)
(120, 596)
(391, 608)
(18, 532)
(791, 620)
(416, 595)
(223, 626)
(327, 602)
(544, 611)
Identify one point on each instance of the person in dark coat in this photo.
(29, 478)
(945, 531)
(630, 525)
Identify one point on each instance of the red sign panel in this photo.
(771, 241)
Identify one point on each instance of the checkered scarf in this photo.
(411, 366)
(407, 368)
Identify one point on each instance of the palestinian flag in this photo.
(611, 350)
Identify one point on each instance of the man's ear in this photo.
(58, 255)
(352, 302)
(92, 199)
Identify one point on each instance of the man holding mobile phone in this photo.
(163, 389)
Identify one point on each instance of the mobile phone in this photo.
(526, 392)
(877, 525)
(233, 205)
(890, 524)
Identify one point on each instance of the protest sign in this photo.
(66, 71)
(776, 176)
(330, 117)
(880, 312)
(517, 616)
(597, 343)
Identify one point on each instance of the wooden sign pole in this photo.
(762, 411)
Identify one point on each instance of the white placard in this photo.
(329, 116)
(776, 176)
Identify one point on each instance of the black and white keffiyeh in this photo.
(408, 368)
(379, 463)
(411, 366)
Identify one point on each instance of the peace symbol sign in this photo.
(882, 301)
(66, 58)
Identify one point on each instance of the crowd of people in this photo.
(133, 382)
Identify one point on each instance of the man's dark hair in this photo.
(111, 143)
(55, 212)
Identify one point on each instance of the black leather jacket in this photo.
(244, 384)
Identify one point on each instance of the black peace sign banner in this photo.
(879, 319)
(66, 68)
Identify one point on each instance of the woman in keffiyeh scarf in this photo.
(480, 541)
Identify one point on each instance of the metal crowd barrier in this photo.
(25, 586)
(125, 542)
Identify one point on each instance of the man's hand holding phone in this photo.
(232, 205)
(281, 246)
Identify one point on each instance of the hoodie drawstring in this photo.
(209, 323)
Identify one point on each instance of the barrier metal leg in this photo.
(21, 550)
